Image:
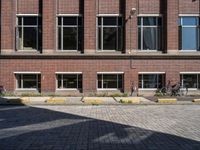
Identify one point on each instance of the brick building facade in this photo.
(93, 46)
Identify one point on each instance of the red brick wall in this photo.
(7, 25)
(49, 26)
(108, 6)
(90, 67)
(27, 6)
(68, 6)
(189, 6)
(149, 6)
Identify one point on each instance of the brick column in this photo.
(89, 82)
(49, 26)
(8, 19)
(89, 26)
(131, 35)
(172, 26)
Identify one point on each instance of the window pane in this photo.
(20, 39)
(30, 20)
(149, 38)
(189, 38)
(140, 81)
(30, 38)
(198, 81)
(139, 38)
(70, 38)
(19, 20)
(109, 81)
(161, 81)
(99, 21)
(19, 81)
(99, 38)
(150, 81)
(109, 38)
(80, 21)
(139, 21)
(59, 38)
(189, 20)
(110, 21)
(120, 81)
(120, 38)
(190, 80)
(69, 20)
(80, 81)
(120, 21)
(69, 81)
(59, 21)
(29, 81)
(59, 81)
(99, 76)
(149, 21)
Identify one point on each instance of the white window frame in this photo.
(26, 73)
(142, 16)
(109, 73)
(150, 73)
(102, 26)
(189, 26)
(65, 26)
(67, 73)
(190, 73)
(22, 26)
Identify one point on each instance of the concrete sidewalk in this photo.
(90, 101)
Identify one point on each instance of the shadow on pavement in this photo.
(24, 127)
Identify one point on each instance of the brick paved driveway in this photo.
(175, 127)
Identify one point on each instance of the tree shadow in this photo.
(24, 127)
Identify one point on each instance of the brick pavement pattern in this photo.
(170, 127)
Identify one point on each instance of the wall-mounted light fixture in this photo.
(132, 12)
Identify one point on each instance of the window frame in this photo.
(150, 73)
(22, 26)
(197, 27)
(21, 74)
(69, 73)
(159, 40)
(110, 89)
(190, 73)
(102, 26)
(78, 27)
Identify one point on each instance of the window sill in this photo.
(147, 89)
(67, 90)
(187, 51)
(108, 89)
(35, 90)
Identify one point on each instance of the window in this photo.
(110, 33)
(189, 33)
(69, 81)
(110, 81)
(151, 81)
(28, 81)
(149, 33)
(69, 33)
(190, 81)
(28, 33)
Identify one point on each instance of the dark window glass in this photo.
(198, 81)
(99, 38)
(30, 20)
(80, 21)
(99, 21)
(150, 81)
(109, 38)
(80, 81)
(30, 38)
(29, 81)
(139, 21)
(149, 38)
(120, 81)
(189, 80)
(59, 83)
(100, 80)
(59, 21)
(120, 39)
(69, 81)
(70, 38)
(19, 20)
(59, 38)
(189, 38)
(109, 81)
(149, 21)
(70, 21)
(139, 38)
(112, 21)
(140, 81)
(120, 21)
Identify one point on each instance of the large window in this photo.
(69, 81)
(110, 33)
(110, 81)
(151, 81)
(69, 33)
(149, 33)
(28, 81)
(191, 81)
(189, 33)
(28, 33)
